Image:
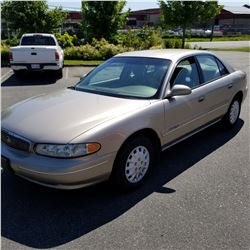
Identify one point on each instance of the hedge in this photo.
(5, 53)
(100, 50)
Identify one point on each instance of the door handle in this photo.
(230, 85)
(201, 99)
(33, 54)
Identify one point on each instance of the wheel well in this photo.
(149, 133)
(239, 96)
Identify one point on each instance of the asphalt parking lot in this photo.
(14, 90)
(197, 198)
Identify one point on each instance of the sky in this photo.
(135, 4)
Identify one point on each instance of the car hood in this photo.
(63, 115)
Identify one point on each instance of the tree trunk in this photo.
(212, 31)
(183, 37)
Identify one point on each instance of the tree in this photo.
(186, 13)
(32, 16)
(102, 19)
(209, 12)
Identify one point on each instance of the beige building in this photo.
(231, 19)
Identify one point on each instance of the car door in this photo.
(184, 114)
(217, 86)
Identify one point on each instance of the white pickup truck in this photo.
(37, 52)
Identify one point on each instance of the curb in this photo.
(80, 65)
(65, 65)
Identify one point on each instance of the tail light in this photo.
(10, 56)
(57, 56)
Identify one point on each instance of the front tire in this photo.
(133, 163)
(233, 113)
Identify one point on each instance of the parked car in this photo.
(115, 121)
(37, 52)
(206, 33)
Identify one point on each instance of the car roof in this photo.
(171, 54)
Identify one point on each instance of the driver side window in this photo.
(186, 73)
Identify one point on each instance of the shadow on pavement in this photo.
(31, 79)
(40, 217)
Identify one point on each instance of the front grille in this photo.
(15, 141)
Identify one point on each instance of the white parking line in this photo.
(66, 73)
(3, 78)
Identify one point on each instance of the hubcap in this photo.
(234, 112)
(137, 164)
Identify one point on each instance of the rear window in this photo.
(38, 40)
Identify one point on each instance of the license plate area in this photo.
(35, 66)
(5, 164)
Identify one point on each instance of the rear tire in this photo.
(18, 74)
(233, 113)
(133, 163)
(59, 73)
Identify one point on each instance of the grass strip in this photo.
(82, 62)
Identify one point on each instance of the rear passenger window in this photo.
(223, 69)
(209, 67)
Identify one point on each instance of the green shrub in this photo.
(107, 49)
(5, 53)
(66, 40)
(10, 42)
(172, 43)
(99, 43)
(168, 43)
(149, 37)
(97, 50)
(156, 47)
(129, 39)
(83, 52)
(177, 43)
(144, 38)
(187, 46)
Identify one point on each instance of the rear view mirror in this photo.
(178, 90)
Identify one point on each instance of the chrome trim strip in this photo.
(164, 147)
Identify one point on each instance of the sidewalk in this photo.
(224, 44)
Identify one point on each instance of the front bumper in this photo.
(42, 66)
(59, 173)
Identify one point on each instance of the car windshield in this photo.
(136, 77)
(38, 40)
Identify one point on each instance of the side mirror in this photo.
(178, 90)
(83, 76)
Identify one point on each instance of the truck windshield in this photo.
(38, 40)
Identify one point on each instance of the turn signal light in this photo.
(93, 147)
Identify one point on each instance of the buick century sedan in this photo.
(114, 122)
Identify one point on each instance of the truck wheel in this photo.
(18, 74)
(59, 73)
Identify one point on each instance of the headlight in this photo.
(67, 150)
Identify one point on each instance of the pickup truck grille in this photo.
(15, 141)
